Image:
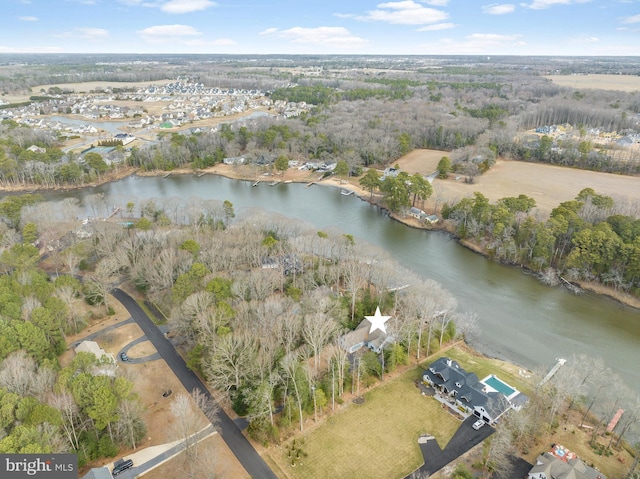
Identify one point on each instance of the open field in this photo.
(549, 185)
(375, 439)
(602, 82)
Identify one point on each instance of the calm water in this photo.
(520, 319)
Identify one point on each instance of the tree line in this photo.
(588, 238)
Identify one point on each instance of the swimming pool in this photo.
(499, 386)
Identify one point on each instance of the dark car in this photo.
(121, 466)
(124, 357)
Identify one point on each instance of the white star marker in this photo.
(377, 321)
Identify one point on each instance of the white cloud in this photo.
(586, 40)
(498, 9)
(172, 6)
(167, 33)
(328, 36)
(85, 32)
(632, 19)
(436, 3)
(542, 4)
(29, 19)
(92, 33)
(186, 6)
(436, 27)
(406, 12)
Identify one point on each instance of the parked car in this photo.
(121, 465)
(478, 424)
(124, 357)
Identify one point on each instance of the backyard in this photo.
(375, 439)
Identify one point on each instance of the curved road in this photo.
(239, 445)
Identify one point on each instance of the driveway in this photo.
(237, 442)
(462, 441)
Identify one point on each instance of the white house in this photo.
(106, 361)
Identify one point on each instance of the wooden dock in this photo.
(554, 370)
(256, 183)
(274, 183)
(167, 175)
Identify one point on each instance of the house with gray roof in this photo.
(360, 338)
(469, 394)
(550, 466)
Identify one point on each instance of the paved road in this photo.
(463, 440)
(239, 445)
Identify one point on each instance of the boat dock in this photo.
(274, 183)
(554, 370)
(256, 183)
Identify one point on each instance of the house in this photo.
(125, 138)
(363, 337)
(36, 149)
(416, 212)
(98, 473)
(560, 463)
(235, 160)
(390, 173)
(488, 399)
(106, 361)
(422, 216)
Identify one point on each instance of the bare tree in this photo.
(17, 373)
(191, 414)
(290, 367)
(130, 426)
(71, 418)
(499, 453)
(317, 331)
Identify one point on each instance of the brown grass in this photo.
(549, 185)
(601, 82)
(374, 439)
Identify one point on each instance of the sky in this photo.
(402, 27)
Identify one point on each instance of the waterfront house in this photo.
(488, 399)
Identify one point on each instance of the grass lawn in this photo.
(377, 439)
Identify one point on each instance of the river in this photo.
(520, 319)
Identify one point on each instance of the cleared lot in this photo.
(549, 185)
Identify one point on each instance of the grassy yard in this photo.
(377, 439)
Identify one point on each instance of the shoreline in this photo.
(248, 173)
